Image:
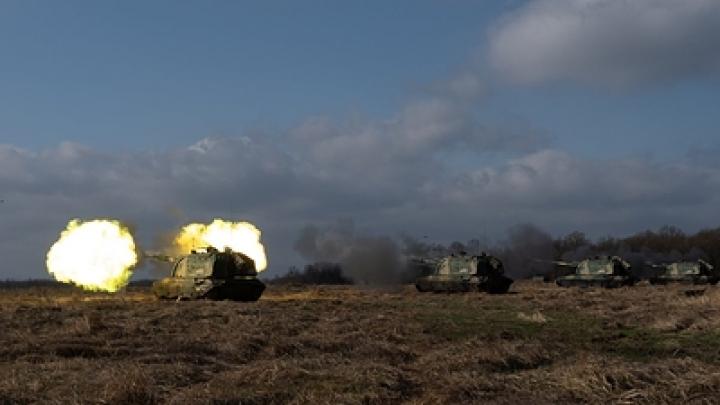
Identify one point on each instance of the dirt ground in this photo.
(539, 344)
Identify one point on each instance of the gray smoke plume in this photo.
(373, 261)
(415, 247)
(329, 243)
(527, 251)
(579, 253)
(367, 260)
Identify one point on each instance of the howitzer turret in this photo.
(209, 273)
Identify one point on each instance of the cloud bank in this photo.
(608, 42)
(391, 177)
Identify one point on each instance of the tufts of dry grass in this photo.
(540, 344)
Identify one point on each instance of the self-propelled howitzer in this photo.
(600, 271)
(461, 272)
(209, 273)
(688, 272)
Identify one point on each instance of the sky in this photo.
(448, 119)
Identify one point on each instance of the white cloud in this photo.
(608, 42)
(552, 180)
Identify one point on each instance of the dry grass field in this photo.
(539, 344)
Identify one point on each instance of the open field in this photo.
(348, 345)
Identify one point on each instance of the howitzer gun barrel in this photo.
(423, 260)
(557, 262)
(161, 257)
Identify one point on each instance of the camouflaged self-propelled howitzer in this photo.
(461, 273)
(697, 272)
(601, 271)
(210, 273)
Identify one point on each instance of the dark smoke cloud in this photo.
(373, 261)
(527, 251)
(329, 243)
(421, 247)
(380, 260)
(367, 260)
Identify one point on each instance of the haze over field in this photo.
(451, 120)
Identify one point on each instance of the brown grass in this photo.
(540, 344)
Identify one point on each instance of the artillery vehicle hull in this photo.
(462, 273)
(603, 282)
(702, 280)
(212, 275)
(236, 290)
(495, 285)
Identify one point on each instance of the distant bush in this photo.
(316, 273)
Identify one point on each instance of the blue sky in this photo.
(137, 74)
(444, 118)
(158, 74)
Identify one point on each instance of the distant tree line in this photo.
(315, 273)
(667, 243)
